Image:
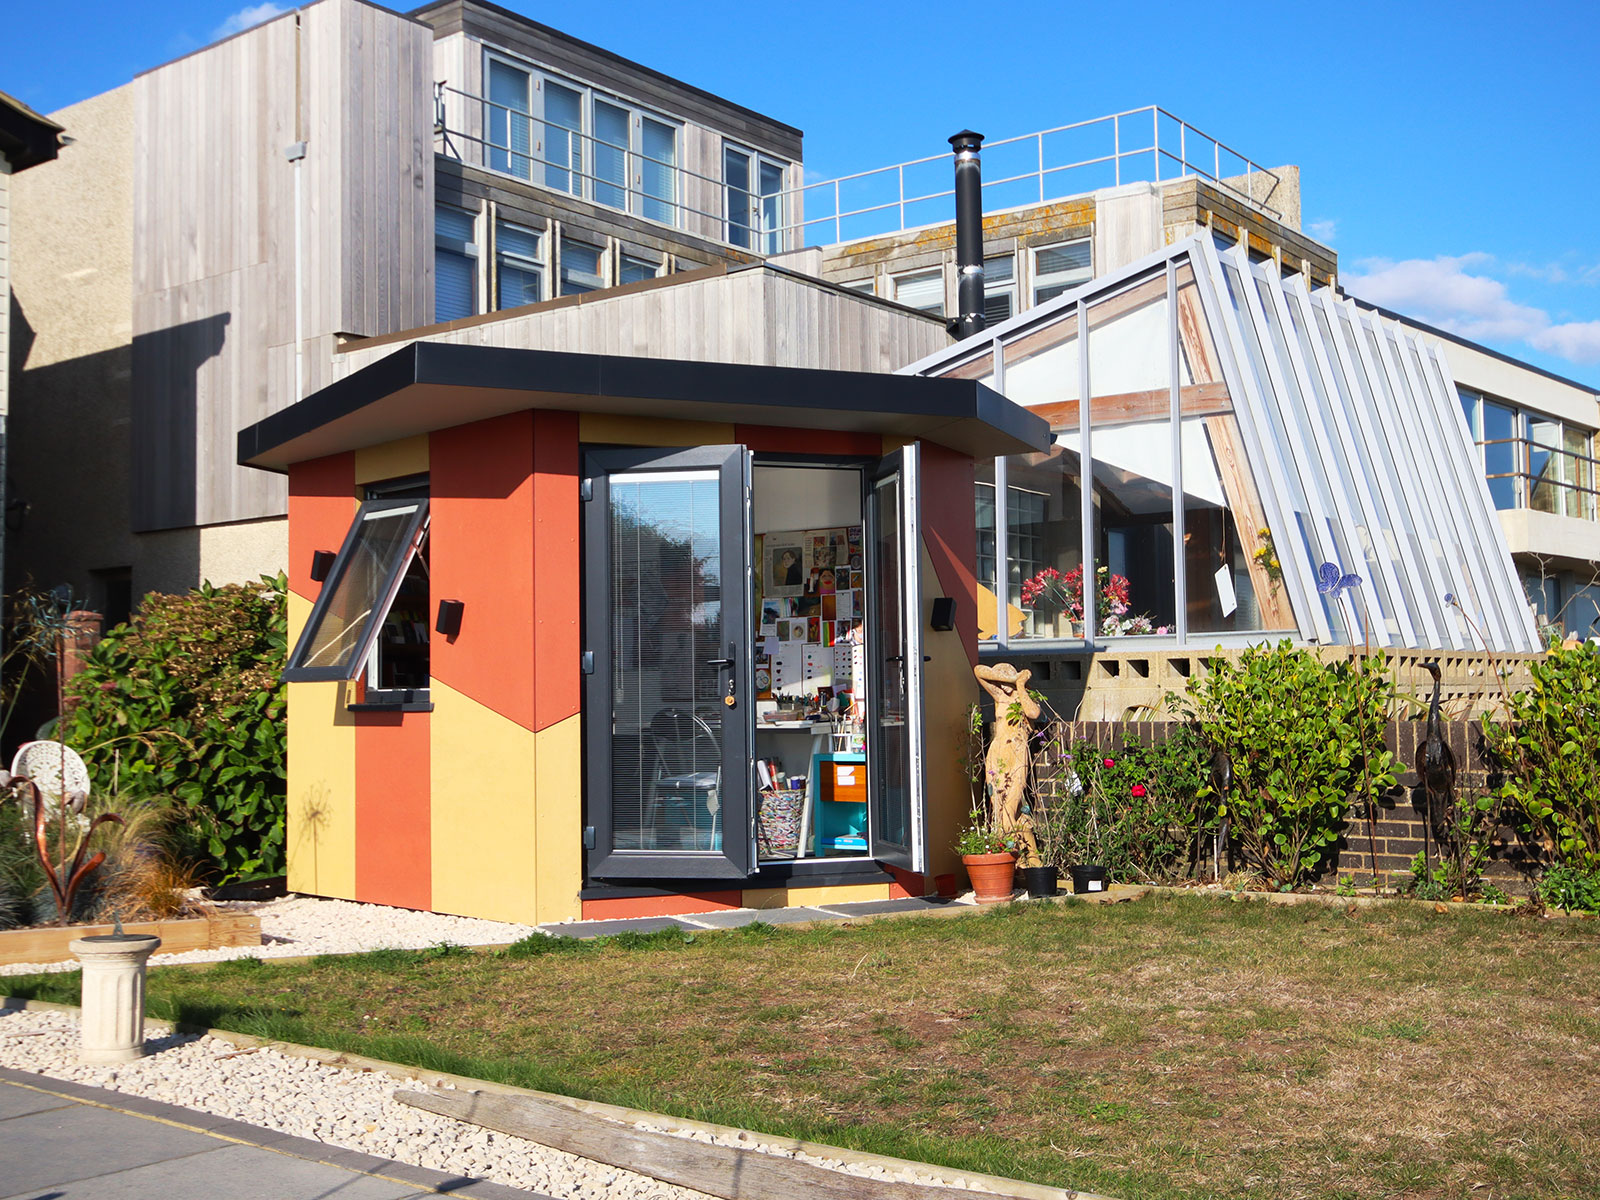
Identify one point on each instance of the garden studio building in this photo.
(1242, 430)
(582, 635)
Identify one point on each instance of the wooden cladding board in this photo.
(751, 315)
(214, 274)
(196, 933)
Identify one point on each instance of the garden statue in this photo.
(1005, 767)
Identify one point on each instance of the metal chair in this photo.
(686, 788)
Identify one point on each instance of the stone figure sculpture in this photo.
(1005, 766)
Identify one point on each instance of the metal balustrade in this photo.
(1144, 144)
(1544, 478)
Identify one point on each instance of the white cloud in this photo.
(1549, 273)
(1448, 293)
(1324, 231)
(1575, 341)
(246, 18)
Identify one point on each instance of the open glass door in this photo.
(894, 657)
(667, 699)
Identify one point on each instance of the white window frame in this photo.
(1007, 289)
(583, 181)
(504, 257)
(470, 250)
(905, 277)
(759, 241)
(625, 256)
(1066, 280)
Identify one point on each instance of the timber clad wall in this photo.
(213, 217)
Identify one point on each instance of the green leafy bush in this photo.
(1134, 810)
(1549, 744)
(1571, 888)
(186, 701)
(1303, 736)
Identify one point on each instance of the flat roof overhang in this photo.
(427, 386)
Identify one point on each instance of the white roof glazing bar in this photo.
(1355, 419)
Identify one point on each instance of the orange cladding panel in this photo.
(481, 553)
(556, 569)
(322, 501)
(682, 904)
(393, 851)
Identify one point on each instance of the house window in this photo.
(753, 184)
(1533, 461)
(580, 267)
(1059, 267)
(518, 265)
(867, 287)
(999, 288)
(455, 263)
(922, 290)
(371, 617)
(600, 147)
(633, 269)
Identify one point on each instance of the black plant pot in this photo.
(1040, 881)
(1087, 879)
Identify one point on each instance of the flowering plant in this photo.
(1050, 589)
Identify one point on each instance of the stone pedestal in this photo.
(113, 995)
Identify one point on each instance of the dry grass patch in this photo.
(1180, 1047)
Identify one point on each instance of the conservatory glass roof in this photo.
(1242, 431)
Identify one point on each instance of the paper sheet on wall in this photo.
(843, 665)
(787, 662)
(1225, 595)
(817, 667)
(845, 605)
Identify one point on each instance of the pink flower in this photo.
(1110, 762)
(1138, 789)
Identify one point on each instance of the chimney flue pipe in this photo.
(969, 234)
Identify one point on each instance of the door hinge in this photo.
(588, 837)
(587, 662)
(585, 489)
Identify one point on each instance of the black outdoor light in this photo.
(448, 622)
(944, 614)
(321, 564)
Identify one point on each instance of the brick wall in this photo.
(1400, 823)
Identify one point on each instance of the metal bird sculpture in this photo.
(1222, 780)
(1437, 767)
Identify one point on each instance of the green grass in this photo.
(1172, 1049)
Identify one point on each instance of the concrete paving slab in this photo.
(725, 918)
(19, 1102)
(237, 1172)
(47, 1149)
(592, 929)
(874, 908)
(789, 916)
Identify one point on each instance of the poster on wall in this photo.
(784, 565)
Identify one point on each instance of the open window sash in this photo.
(894, 674)
(339, 636)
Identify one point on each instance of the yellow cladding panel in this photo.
(322, 788)
(483, 816)
(393, 460)
(608, 428)
(795, 897)
(558, 819)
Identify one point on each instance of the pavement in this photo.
(69, 1141)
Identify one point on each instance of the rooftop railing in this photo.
(1524, 473)
(1141, 145)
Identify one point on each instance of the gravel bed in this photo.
(353, 1109)
(302, 925)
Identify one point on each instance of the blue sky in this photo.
(1448, 151)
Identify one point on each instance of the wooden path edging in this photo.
(49, 943)
(974, 1183)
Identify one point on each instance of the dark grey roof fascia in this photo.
(952, 411)
(26, 138)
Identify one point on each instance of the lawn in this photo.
(1174, 1047)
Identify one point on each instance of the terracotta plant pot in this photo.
(991, 875)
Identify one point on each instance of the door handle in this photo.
(719, 662)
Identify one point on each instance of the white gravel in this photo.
(302, 925)
(334, 1105)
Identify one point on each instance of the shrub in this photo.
(186, 702)
(1550, 747)
(1303, 735)
(1571, 888)
(1133, 809)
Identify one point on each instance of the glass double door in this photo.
(669, 711)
